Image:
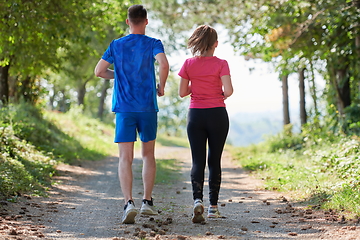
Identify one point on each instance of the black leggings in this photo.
(207, 126)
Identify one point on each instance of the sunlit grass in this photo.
(95, 139)
(172, 141)
(168, 171)
(320, 175)
(33, 142)
(348, 199)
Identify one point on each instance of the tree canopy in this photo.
(48, 49)
(38, 36)
(319, 36)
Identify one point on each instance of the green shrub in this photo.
(325, 170)
(353, 118)
(32, 143)
(22, 167)
(284, 140)
(346, 199)
(340, 159)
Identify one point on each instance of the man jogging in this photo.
(134, 103)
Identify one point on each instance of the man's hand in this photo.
(163, 72)
(160, 91)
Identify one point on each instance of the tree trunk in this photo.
(285, 89)
(357, 46)
(26, 89)
(4, 84)
(52, 98)
(312, 88)
(104, 89)
(303, 116)
(357, 43)
(13, 88)
(342, 85)
(62, 105)
(82, 92)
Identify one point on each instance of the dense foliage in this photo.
(32, 142)
(317, 40)
(320, 168)
(48, 49)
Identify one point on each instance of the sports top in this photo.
(133, 57)
(204, 74)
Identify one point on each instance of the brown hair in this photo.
(137, 14)
(202, 40)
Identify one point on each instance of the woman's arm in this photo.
(228, 88)
(184, 88)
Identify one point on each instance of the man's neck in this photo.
(137, 31)
(137, 28)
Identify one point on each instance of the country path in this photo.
(86, 203)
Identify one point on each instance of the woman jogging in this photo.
(207, 80)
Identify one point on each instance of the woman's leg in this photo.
(218, 128)
(197, 137)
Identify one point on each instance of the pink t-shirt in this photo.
(204, 74)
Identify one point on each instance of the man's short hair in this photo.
(137, 14)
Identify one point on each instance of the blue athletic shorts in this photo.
(130, 123)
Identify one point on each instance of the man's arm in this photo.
(102, 70)
(163, 72)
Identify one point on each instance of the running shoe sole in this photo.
(130, 217)
(148, 212)
(198, 214)
(213, 213)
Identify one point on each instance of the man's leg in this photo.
(149, 168)
(126, 157)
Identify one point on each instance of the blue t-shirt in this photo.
(133, 57)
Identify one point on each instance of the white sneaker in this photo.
(129, 213)
(147, 207)
(197, 216)
(213, 212)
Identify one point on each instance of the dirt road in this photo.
(86, 203)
